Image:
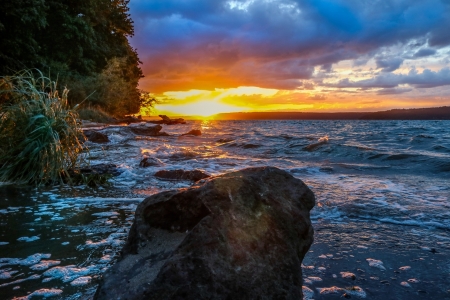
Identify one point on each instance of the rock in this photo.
(168, 121)
(241, 235)
(194, 132)
(226, 140)
(91, 176)
(145, 129)
(194, 175)
(150, 162)
(101, 169)
(129, 120)
(163, 134)
(95, 136)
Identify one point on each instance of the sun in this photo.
(200, 108)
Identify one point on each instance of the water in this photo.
(389, 175)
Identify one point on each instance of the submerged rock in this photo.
(146, 129)
(226, 140)
(99, 169)
(194, 175)
(242, 235)
(96, 137)
(194, 132)
(150, 162)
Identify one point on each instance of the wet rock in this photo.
(101, 169)
(194, 175)
(242, 235)
(145, 129)
(169, 121)
(129, 120)
(150, 162)
(96, 137)
(163, 134)
(226, 140)
(91, 176)
(194, 132)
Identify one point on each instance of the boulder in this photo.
(150, 162)
(96, 137)
(194, 132)
(241, 235)
(194, 175)
(145, 129)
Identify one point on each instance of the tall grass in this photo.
(40, 139)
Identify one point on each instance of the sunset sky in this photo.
(202, 57)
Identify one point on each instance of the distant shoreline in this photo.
(433, 113)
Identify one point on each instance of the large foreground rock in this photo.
(242, 235)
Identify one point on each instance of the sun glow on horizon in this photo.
(203, 108)
(207, 103)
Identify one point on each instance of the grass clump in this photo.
(40, 137)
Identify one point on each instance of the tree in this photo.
(78, 42)
(20, 21)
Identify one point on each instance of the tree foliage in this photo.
(83, 43)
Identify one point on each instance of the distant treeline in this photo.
(84, 44)
(435, 113)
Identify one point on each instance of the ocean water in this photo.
(394, 175)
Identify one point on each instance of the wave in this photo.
(441, 148)
(401, 156)
(314, 146)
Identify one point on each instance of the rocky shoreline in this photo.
(344, 261)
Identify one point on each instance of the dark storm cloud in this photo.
(424, 52)
(389, 64)
(181, 40)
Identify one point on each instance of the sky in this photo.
(201, 57)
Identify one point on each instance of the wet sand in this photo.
(377, 261)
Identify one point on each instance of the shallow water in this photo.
(384, 174)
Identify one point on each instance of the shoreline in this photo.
(90, 219)
(413, 264)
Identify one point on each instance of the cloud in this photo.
(388, 81)
(424, 52)
(317, 97)
(389, 64)
(204, 44)
(393, 91)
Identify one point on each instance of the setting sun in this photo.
(200, 108)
